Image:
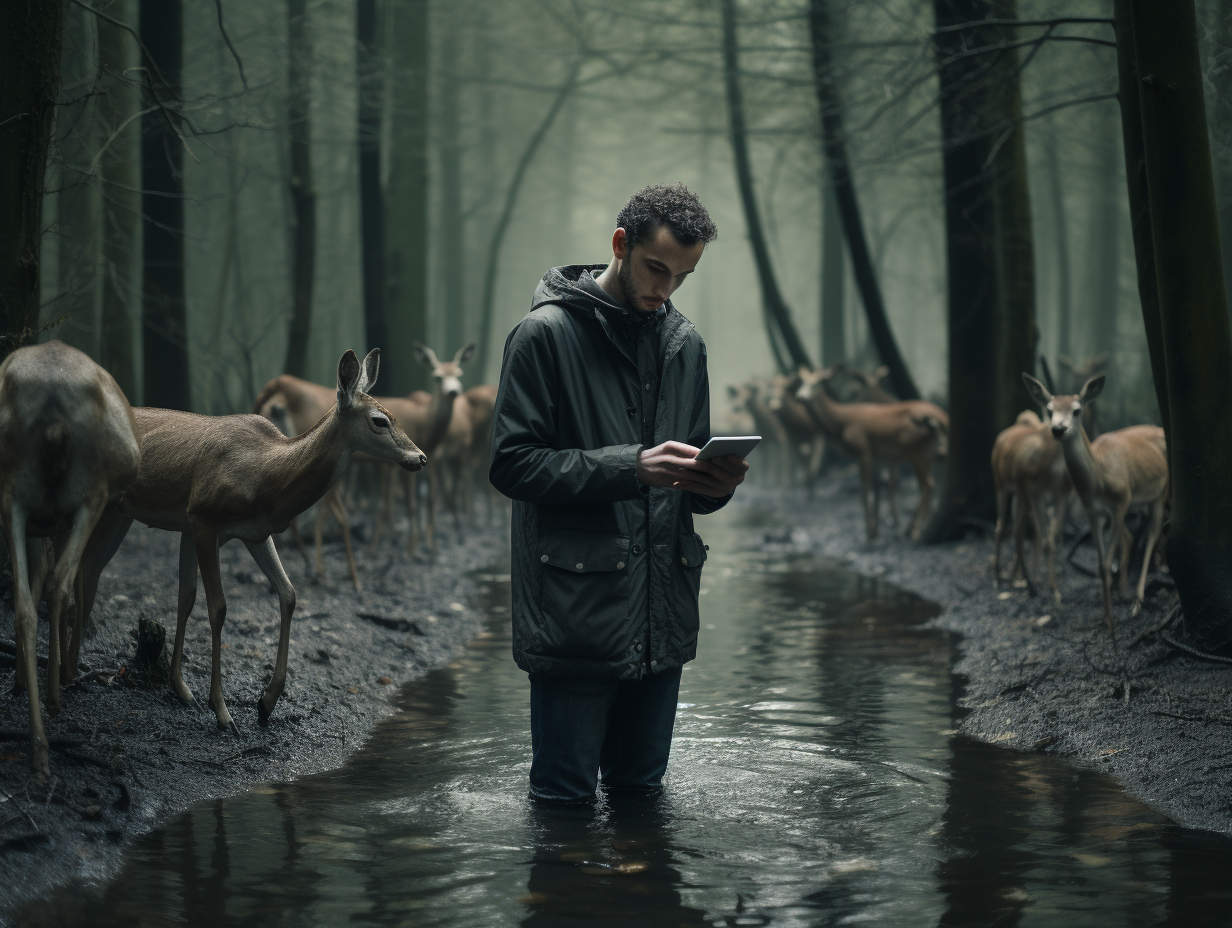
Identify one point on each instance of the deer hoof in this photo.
(263, 713)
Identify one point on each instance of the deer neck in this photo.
(827, 409)
(312, 462)
(1080, 460)
(440, 412)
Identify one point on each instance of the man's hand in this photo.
(674, 464)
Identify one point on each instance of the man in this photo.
(603, 403)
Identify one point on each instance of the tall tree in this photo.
(833, 272)
(165, 357)
(989, 256)
(779, 324)
(406, 219)
(1104, 264)
(303, 194)
(453, 252)
(1060, 239)
(121, 180)
(821, 31)
(30, 32)
(1188, 330)
(371, 79)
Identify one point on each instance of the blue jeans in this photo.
(582, 729)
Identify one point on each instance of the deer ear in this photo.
(464, 354)
(881, 373)
(1092, 388)
(348, 377)
(425, 354)
(732, 391)
(1038, 391)
(372, 366)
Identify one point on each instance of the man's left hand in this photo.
(716, 477)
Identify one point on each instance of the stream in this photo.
(816, 779)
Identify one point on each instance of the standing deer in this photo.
(214, 478)
(68, 449)
(1027, 464)
(914, 431)
(1121, 468)
(806, 445)
(1079, 373)
(482, 400)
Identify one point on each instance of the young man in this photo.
(603, 404)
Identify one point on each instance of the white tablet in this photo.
(729, 444)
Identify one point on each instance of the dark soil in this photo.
(126, 755)
(1042, 676)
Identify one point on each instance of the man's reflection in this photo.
(606, 864)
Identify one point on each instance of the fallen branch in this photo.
(56, 741)
(397, 625)
(1217, 719)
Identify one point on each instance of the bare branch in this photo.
(131, 31)
(226, 38)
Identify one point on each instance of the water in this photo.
(815, 780)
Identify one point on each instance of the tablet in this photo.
(729, 444)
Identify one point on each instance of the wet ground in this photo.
(817, 778)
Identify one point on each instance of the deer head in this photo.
(812, 381)
(365, 424)
(447, 374)
(1064, 412)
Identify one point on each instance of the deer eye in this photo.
(381, 422)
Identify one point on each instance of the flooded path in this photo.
(815, 780)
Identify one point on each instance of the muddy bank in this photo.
(1042, 676)
(126, 755)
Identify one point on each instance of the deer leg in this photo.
(187, 597)
(412, 512)
(319, 542)
(266, 556)
(433, 488)
(1003, 497)
(105, 540)
(1125, 545)
(299, 543)
(63, 579)
(924, 477)
(384, 494)
(25, 626)
(1050, 544)
(340, 513)
(1105, 564)
(892, 491)
(205, 539)
(1152, 538)
(868, 489)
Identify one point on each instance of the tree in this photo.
(303, 195)
(165, 358)
(779, 325)
(30, 35)
(406, 221)
(1171, 187)
(821, 32)
(989, 257)
(371, 78)
(833, 302)
(453, 252)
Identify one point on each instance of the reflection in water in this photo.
(815, 780)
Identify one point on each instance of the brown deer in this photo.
(1079, 373)
(867, 383)
(482, 399)
(1028, 466)
(1119, 469)
(806, 445)
(214, 478)
(914, 431)
(68, 450)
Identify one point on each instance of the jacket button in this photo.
(620, 565)
(654, 663)
(638, 646)
(684, 561)
(632, 411)
(579, 566)
(544, 558)
(637, 549)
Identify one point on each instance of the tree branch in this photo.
(226, 38)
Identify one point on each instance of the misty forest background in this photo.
(939, 185)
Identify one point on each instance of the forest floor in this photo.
(1043, 676)
(126, 755)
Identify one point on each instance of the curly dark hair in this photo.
(671, 205)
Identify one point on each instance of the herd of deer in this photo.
(78, 464)
(1037, 465)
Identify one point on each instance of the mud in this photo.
(126, 755)
(1043, 676)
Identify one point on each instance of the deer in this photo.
(806, 445)
(68, 450)
(914, 431)
(868, 383)
(1119, 469)
(1079, 373)
(770, 427)
(482, 400)
(1028, 466)
(214, 478)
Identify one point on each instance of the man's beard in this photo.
(624, 281)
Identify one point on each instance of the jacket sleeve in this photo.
(526, 462)
(699, 434)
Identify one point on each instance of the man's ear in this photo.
(348, 377)
(620, 246)
(1038, 391)
(1092, 388)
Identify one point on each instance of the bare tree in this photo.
(371, 80)
(303, 194)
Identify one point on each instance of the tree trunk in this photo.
(773, 304)
(1104, 266)
(121, 179)
(1060, 237)
(303, 194)
(452, 245)
(833, 271)
(371, 79)
(988, 252)
(1221, 123)
(165, 343)
(30, 36)
(406, 222)
(487, 306)
(1193, 317)
(848, 206)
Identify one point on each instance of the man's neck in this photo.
(609, 281)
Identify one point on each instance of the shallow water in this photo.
(815, 780)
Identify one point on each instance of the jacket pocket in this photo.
(690, 556)
(584, 594)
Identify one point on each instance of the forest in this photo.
(966, 213)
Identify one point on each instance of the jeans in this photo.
(583, 729)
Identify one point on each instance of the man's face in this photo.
(652, 270)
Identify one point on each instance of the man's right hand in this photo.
(674, 464)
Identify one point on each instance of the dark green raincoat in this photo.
(606, 572)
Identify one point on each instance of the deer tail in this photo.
(57, 450)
